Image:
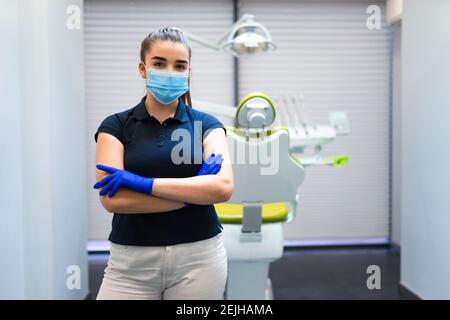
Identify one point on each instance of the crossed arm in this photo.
(167, 193)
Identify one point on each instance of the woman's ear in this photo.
(142, 70)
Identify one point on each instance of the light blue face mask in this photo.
(167, 86)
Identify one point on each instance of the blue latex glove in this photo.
(212, 165)
(122, 178)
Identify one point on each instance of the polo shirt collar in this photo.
(141, 113)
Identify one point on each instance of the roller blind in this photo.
(327, 54)
(113, 32)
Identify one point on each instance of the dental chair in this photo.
(266, 179)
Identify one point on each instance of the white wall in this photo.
(11, 186)
(43, 205)
(425, 151)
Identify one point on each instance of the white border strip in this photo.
(102, 246)
(343, 242)
(97, 246)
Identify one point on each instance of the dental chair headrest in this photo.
(255, 111)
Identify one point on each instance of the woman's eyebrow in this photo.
(159, 58)
(164, 59)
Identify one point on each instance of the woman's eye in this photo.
(181, 67)
(158, 64)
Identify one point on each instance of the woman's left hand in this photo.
(122, 178)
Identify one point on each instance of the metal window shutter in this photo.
(113, 33)
(326, 52)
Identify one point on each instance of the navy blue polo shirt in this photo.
(172, 149)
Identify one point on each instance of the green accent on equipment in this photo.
(338, 161)
(232, 212)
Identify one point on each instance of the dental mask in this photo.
(167, 86)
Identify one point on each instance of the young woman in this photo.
(166, 240)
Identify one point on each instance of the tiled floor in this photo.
(337, 273)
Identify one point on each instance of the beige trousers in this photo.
(187, 271)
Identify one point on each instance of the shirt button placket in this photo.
(161, 135)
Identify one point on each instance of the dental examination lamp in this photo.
(245, 37)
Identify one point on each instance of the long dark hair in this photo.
(172, 34)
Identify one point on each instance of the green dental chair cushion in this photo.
(232, 213)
